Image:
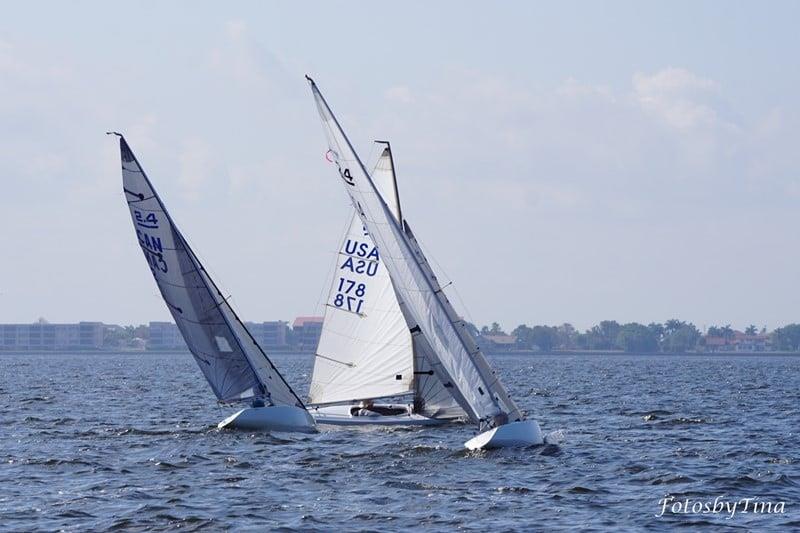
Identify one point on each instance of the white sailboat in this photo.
(449, 347)
(366, 353)
(235, 366)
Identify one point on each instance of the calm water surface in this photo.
(129, 442)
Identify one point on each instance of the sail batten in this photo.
(234, 365)
(461, 369)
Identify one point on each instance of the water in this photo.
(128, 442)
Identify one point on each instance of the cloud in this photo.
(240, 57)
(677, 96)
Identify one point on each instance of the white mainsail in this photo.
(365, 348)
(232, 362)
(454, 356)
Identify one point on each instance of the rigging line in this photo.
(334, 266)
(218, 304)
(351, 365)
(138, 195)
(362, 341)
(462, 305)
(201, 323)
(357, 257)
(362, 315)
(140, 200)
(147, 210)
(181, 286)
(133, 170)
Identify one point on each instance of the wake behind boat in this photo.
(235, 366)
(441, 334)
(366, 354)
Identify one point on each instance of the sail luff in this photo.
(481, 405)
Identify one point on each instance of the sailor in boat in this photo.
(368, 408)
(365, 409)
(262, 399)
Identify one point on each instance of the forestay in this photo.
(456, 361)
(365, 349)
(232, 362)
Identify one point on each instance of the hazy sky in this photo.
(561, 162)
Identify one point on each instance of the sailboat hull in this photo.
(342, 415)
(513, 435)
(282, 418)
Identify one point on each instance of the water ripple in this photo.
(106, 443)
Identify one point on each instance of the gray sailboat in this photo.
(233, 363)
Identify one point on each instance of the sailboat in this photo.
(366, 352)
(232, 362)
(441, 334)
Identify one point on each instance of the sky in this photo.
(560, 162)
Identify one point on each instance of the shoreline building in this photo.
(165, 336)
(306, 331)
(43, 336)
(272, 335)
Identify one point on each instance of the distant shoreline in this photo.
(527, 353)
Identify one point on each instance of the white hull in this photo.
(513, 435)
(342, 415)
(282, 418)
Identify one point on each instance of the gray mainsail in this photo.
(232, 362)
(455, 357)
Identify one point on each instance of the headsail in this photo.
(232, 362)
(365, 348)
(455, 360)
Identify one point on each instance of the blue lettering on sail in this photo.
(153, 251)
(155, 261)
(360, 266)
(145, 221)
(350, 295)
(361, 249)
(148, 241)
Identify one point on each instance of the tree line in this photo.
(672, 336)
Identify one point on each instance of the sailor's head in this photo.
(499, 419)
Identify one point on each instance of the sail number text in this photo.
(151, 245)
(350, 295)
(360, 262)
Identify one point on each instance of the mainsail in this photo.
(232, 362)
(454, 356)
